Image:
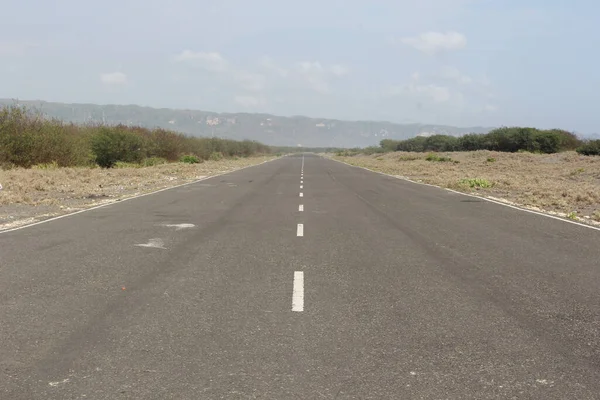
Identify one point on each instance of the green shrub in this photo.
(373, 150)
(441, 143)
(436, 158)
(408, 158)
(590, 148)
(577, 171)
(387, 145)
(28, 138)
(152, 161)
(52, 165)
(416, 144)
(476, 183)
(189, 159)
(491, 159)
(505, 139)
(472, 142)
(112, 144)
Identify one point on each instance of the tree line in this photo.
(28, 139)
(505, 139)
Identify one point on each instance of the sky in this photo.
(455, 62)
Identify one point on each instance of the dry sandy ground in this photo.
(564, 184)
(30, 195)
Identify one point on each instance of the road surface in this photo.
(300, 278)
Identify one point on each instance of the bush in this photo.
(590, 148)
(472, 142)
(374, 150)
(387, 145)
(28, 139)
(441, 143)
(416, 144)
(216, 156)
(504, 139)
(189, 159)
(110, 145)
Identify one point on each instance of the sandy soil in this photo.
(564, 184)
(30, 195)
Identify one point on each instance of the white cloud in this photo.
(434, 42)
(308, 66)
(317, 67)
(453, 74)
(15, 48)
(250, 81)
(439, 94)
(490, 107)
(317, 75)
(210, 61)
(249, 101)
(270, 65)
(339, 70)
(114, 78)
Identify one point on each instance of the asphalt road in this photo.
(387, 290)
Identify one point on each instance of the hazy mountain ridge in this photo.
(265, 128)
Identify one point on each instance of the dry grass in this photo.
(562, 184)
(32, 194)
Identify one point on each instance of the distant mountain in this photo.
(265, 128)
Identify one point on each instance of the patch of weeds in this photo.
(577, 171)
(123, 164)
(572, 215)
(152, 161)
(51, 165)
(346, 153)
(596, 215)
(216, 156)
(189, 159)
(408, 158)
(7, 166)
(491, 159)
(476, 183)
(435, 157)
(379, 158)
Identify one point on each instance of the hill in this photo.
(265, 128)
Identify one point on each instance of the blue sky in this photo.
(457, 62)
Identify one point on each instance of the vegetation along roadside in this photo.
(550, 171)
(50, 168)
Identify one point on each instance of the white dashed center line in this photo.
(298, 293)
